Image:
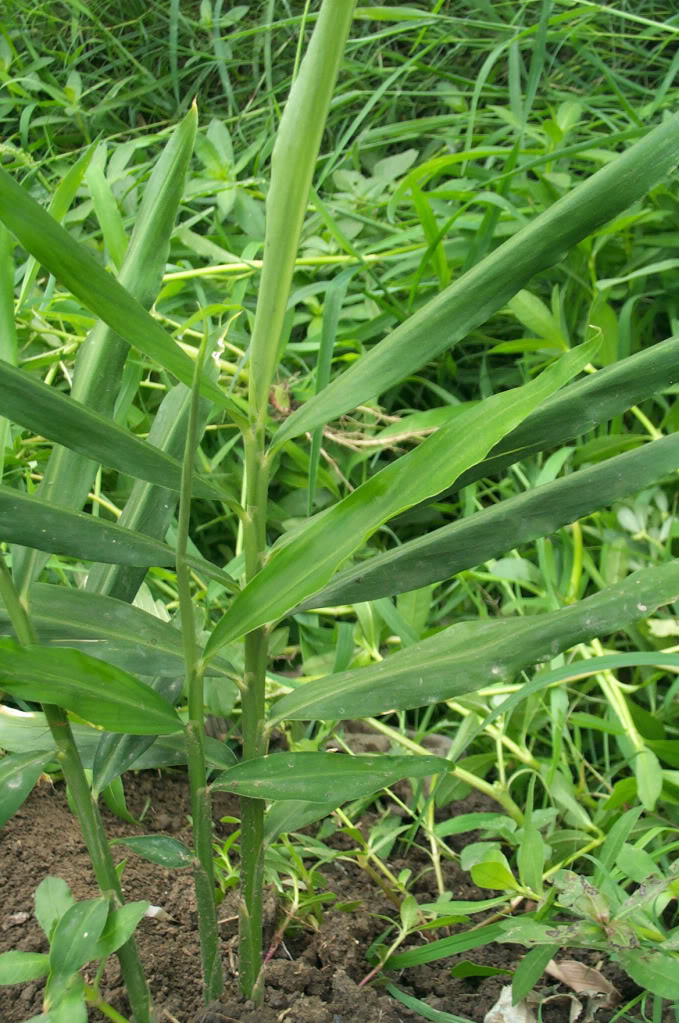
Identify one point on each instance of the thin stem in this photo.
(86, 807)
(194, 731)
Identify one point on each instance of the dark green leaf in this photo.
(530, 969)
(322, 777)
(49, 413)
(470, 655)
(472, 540)
(94, 690)
(33, 522)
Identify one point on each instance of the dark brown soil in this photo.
(313, 977)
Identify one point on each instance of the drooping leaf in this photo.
(322, 777)
(33, 522)
(470, 655)
(471, 541)
(18, 774)
(486, 287)
(94, 690)
(51, 414)
(301, 564)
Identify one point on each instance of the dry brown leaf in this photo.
(584, 980)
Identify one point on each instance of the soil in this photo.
(313, 977)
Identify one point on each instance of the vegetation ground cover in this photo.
(451, 129)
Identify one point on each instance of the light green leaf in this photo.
(322, 777)
(531, 858)
(94, 690)
(120, 926)
(17, 967)
(18, 774)
(50, 414)
(52, 899)
(489, 285)
(36, 523)
(300, 565)
(471, 541)
(470, 655)
(75, 936)
(648, 773)
(656, 972)
(160, 849)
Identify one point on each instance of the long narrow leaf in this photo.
(582, 405)
(471, 541)
(94, 690)
(108, 629)
(34, 523)
(470, 655)
(322, 777)
(484, 289)
(73, 265)
(49, 413)
(300, 564)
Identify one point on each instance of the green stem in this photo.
(194, 731)
(91, 825)
(254, 738)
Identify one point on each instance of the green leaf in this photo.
(52, 899)
(76, 935)
(492, 874)
(470, 655)
(51, 414)
(298, 566)
(530, 969)
(472, 540)
(65, 998)
(288, 815)
(160, 849)
(445, 947)
(76, 268)
(17, 967)
(116, 753)
(322, 777)
(18, 774)
(489, 285)
(108, 629)
(469, 969)
(120, 925)
(33, 522)
(531, 858)
(656, 972)
(94, 690)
